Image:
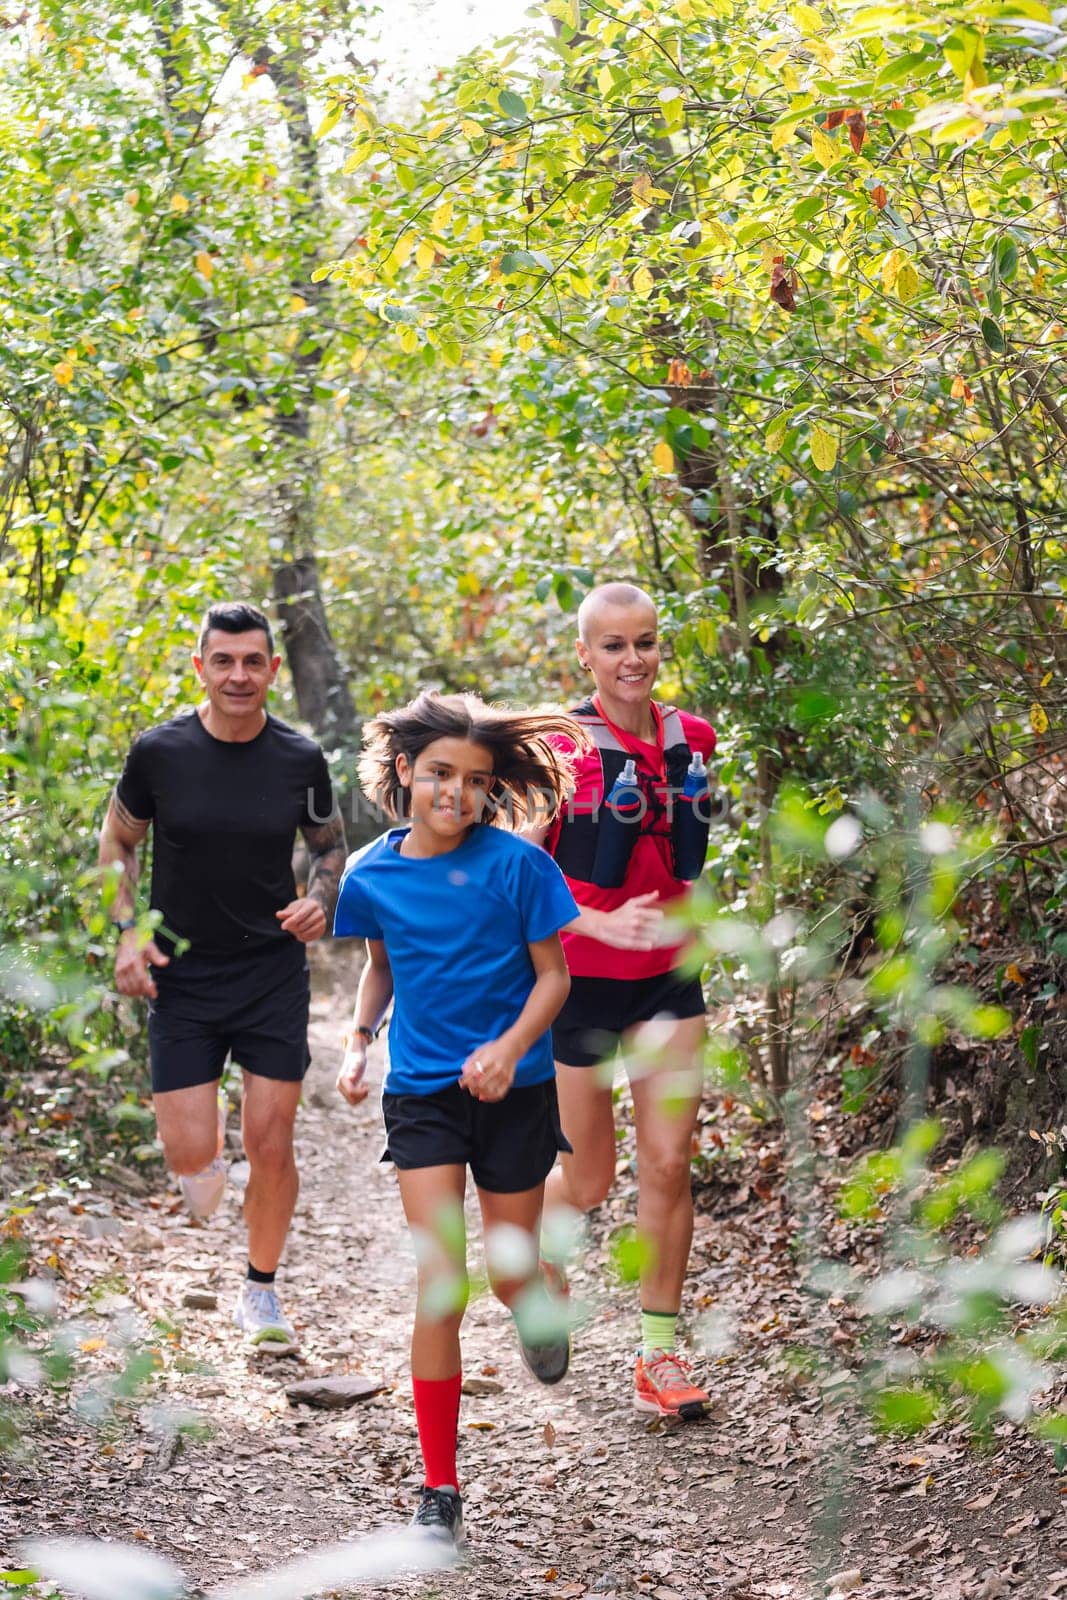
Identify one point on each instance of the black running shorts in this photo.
(510, 1145)
(599, 1011)
(253, 1008)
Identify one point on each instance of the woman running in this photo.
(462, 923)
(627, 861)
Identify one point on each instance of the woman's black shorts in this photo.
(510, 1145)
(598, 1011)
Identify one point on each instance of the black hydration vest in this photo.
(595, 847)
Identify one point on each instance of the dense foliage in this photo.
(758, 304)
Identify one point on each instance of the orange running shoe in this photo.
(663, 1386)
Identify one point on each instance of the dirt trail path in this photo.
(566, 1492)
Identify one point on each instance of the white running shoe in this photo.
(259, 1314)
(203, 1191)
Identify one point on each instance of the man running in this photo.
(224, 789)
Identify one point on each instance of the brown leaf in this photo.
(549, 1435)
(834, 119)
(783, 284)
(856, 122)
(980, 1502)
(879, 196)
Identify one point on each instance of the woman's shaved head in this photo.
(607, 595)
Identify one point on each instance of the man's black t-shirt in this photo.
(225, 817)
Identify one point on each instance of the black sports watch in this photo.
(121, 924)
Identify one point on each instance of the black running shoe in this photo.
(549, 1363)
(440, 1513)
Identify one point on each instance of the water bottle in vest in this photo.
(618, 825)
(689, 826)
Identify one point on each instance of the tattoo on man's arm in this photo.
(326, 846)
(127, 818)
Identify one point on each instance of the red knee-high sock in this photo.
(437, 1416)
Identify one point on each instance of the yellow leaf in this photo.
(790, 79)
(1038, 718)
(958, 387)
(141, 480)
(93, 1344)
(707, 636)
(179, 203)
(826, 149)
(247, 262)
(823, 53)
(907, 282)
(781, 135)
(890, 267)
(775, 435)
(525, 342)
(823, 448)
(441, 217)
(63, 372)
(641, 188)
(1013, 973)
(663, 456)
(496, 355)
(605, 80)
(424, 255)
(643, 281)
(358, 357)
(409, 339)
(1046, 680)
(807, 19)
(204, 265)
(297, 303)
(471, 130)
(132, 196)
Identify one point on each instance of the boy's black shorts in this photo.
(510, 1145)
(253, 1008)
(598, 1011)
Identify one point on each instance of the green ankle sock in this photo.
(657, 1330)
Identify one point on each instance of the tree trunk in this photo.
(318, 678)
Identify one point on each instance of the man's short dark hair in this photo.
(233, 616)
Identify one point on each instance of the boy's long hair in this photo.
(531, 778)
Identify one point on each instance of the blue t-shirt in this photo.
(456, 929)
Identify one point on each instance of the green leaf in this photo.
(963, 50)
(1029, 1042)
(904, 1410)
(993, 336)
(809, 207)
(512, 105)
(1006, 258)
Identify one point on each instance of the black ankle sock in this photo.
(259, 1277)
